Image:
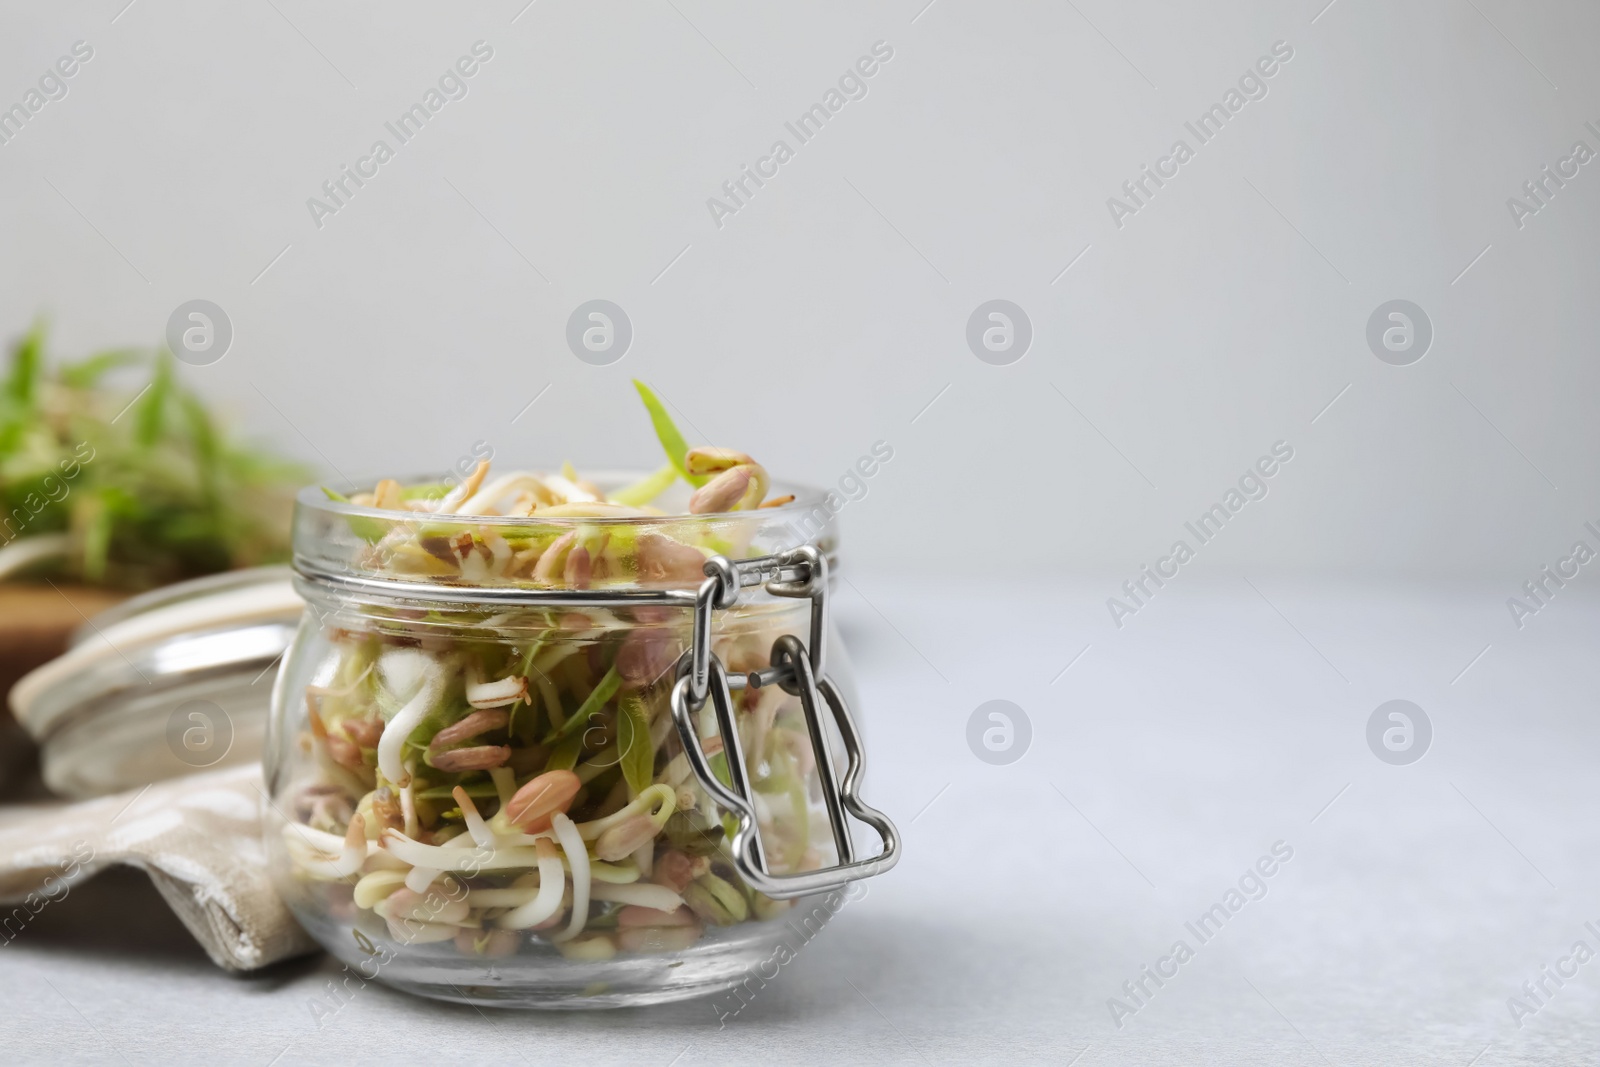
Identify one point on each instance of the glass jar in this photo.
(575, 761)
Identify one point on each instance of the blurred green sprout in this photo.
(128, 487)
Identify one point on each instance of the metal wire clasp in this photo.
(798, 668)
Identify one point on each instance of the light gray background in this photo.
(830, 313)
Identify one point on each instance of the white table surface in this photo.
(1223, 718)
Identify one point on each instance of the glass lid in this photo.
(165, 684)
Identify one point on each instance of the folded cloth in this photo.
(199, 839)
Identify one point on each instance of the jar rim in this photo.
(334, 541)
(315, 497)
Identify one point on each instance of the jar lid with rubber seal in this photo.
(168, 683)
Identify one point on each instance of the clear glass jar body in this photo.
(489, 803)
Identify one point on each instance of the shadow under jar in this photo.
(570, 763)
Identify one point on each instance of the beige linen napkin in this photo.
(199, 839)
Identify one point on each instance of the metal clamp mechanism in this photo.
(798, 668)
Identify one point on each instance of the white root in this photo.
(641, 894)
(311, 840)
(407, 719)
(570, 490)
(499, 549)
(475, 825)
(486, 500)
(376, 885)
(352, 854)
(566, 832)
(516, 838)
(420, 879)
(304, 852)
(402, 670)
(456, 497)
(547, 902)
(408, 809)
(465, 860)
(512, 689)
(553, 561)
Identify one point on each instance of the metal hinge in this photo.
(796, 667)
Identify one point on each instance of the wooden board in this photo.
(35, 621)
